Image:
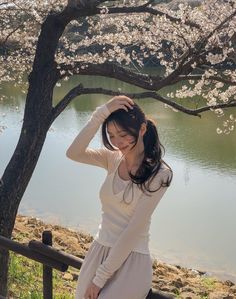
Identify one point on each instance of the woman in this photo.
(118, 263)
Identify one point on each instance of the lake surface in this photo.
(194, 224)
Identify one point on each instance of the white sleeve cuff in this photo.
(101, 113)
(99, 282)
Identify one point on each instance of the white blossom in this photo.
(129, 40)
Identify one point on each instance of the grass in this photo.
(208, 283)
(25, 280)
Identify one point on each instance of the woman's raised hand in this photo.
(119, 102)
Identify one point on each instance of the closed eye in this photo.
(124, 135)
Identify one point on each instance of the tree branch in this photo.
(220, 25)
(146, 9)
(89, 8)
(4, 3)
(73, 93)
(146, 81)
(112, 70)
(9, 35)
(80, 90)
(193, 54)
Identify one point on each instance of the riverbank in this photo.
(179, 281)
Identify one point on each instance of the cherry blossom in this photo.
(194, 46)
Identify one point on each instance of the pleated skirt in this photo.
(132, 280)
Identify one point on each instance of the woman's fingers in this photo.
(120, 102)
(129, 104)
(126, 99)
(122, 99)
(94, 294)
(92, 291)
(124, 107)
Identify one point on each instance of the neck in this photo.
(134, 158)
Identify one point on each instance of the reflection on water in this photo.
(193, 224)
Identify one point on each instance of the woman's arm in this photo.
(129, 237)
(79, 151)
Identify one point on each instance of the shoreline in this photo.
(173, 279)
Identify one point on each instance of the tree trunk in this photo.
(37, 120)
(14, 182)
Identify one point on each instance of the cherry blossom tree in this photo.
(51, 41)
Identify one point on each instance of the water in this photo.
(194, 224)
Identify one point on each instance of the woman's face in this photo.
(120, 138)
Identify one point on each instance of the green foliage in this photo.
(208, 282)
(25, 280)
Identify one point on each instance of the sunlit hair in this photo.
(131, 122)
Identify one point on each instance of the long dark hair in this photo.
(131, 122)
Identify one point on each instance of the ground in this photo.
(173, 279)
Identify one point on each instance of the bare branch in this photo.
(79, 90)
(73, 93)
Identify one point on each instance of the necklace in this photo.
(125, 194)
(126, 199)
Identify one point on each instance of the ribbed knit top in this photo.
(126, 210)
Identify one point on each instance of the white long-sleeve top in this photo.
(126, 212)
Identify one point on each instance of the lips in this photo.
(123, 148)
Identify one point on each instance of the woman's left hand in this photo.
(92, 291)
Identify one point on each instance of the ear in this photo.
(143, 129)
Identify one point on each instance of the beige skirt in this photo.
(132, 280)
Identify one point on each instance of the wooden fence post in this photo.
(47, 271)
